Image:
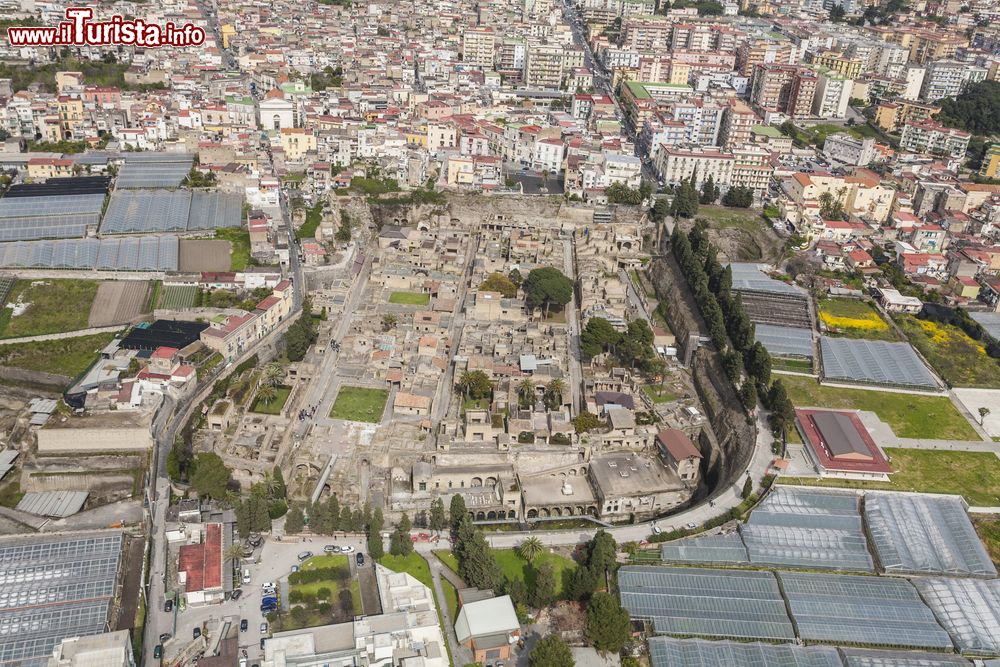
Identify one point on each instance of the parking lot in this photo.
(272, 562)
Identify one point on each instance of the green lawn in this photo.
(659, 394)
(974, 475)
(988, 528)
(960, 360)
(413, 564)
(67, 356)
(722, 217)
(515, 567)
(450, 599)
(909, 415)
(360, 404)
(410, 298)
(239, 246)
(56, 306)
(448, 558)
(854, 318)
(314, 216)
(793, 365)
(274, 407)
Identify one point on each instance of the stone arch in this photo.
(477, 481)
(532, 514)
(592, 510)
(480, 516)
(491, 481)
(512, 514)
(491, 515)
(578, 510)
(572, 472)
(583, 470)
(556, 511)
(501, 514)
(68, 135)
(562, 474)
(567, 511)
(544, 513)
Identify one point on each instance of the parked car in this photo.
(656, 530)
(168, 605)
(244, 625)
(158, 652)
(305, 555)
(164, 637)
(236, 594)
(331, 549)
(196, 632)
(347, 550)
(263, 628)
(295, 568)
(262, 640)
(359, 559)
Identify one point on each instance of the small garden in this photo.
(360, 404)
(321, 592)
(853, 318)
(271, 402)
(961, 360)
(410, 298)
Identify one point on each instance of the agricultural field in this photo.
(66, 356)
(853, 318)
(360, 404)
(119, 302)
(36, 307)
(973, 475)
(178, 297)
(227, 251)
(960, 360)
(410, 298)
(909, 415)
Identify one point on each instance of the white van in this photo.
(246, 576)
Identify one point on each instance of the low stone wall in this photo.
(34, 377)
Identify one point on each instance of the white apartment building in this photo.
(479, 47)
(548, 155)
(677, 163)
(626, 169)
(833, 94)
(948, 78)
(930, 137)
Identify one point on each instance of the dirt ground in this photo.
(119, 302)
(203, 255)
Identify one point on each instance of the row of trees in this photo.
(265, 502)
(301, 334)
(729, 326)
(619, 193)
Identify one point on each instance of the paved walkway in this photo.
(459, 654)
(882, 433)
(65, 334)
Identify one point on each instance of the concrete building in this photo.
(634, 485)
(833, 94)
(786, 89)
(111, 649)
(677, 163)
(930, 137)
(544, 66)
(948, 78)
(479, 47)
(991, 162)
(849, 150)
(488, 627)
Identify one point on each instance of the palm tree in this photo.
(555, 391)
(389, 321)
(530, 548)
(266, 394)
(235, 551)
(272, 375)
(526, 392)
(983, 414)
(465, 383)
(545, 179)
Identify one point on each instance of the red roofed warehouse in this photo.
(839, 445)
(199, 568)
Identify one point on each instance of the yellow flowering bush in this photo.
(870, 322)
